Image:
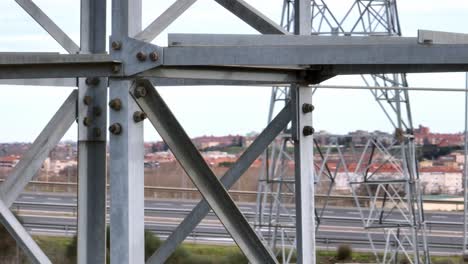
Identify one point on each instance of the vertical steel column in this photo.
(303, 151)
(465, 178)
(126, 151)
(92, 122)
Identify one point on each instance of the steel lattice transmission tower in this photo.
(390, 198)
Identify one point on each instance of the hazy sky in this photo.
(223, 110)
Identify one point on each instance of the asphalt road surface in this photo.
(55, 214)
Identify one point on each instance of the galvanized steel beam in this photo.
(301, 97)
(92, 145)
(126, 151)
(196, 168)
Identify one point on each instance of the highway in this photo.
(54, 214)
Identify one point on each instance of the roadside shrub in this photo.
(344, 252)
(405, 261)
(444, 261)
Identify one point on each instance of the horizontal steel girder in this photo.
(283, 55)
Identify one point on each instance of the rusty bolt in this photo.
(116, 68)
(116, 45)
(97, 111)
(154, 56)
(115, 104)
(139, 116)
(86, 121)
(140, 91)
(308, 130)
(115, 129)
(307, 108)
(141, 56)
(92, 81)
(87, 100)
(97, 132)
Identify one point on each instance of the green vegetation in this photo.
(344, 252)
(63, 250)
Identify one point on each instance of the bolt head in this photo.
(307, 108)
(139, 116)
(92, 81)
(141, 56)
(154, 56)
(115, 104)
(87, 121)
(87, 100)
(115, 129)
(116, 45)
(140, 91)
(308, 130)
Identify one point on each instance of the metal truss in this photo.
(362, 19)
(132, 70)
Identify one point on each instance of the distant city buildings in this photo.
(441, 172)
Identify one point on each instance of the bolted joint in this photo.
(94, 81)
(308, 130)
(140, 91)
(154, 56)
(139, 116)
(115, 104)
(116, 45)
(141, 56)
(87, 100)
(307, 108)
(86, 121)
(97, 132)
(115, 129)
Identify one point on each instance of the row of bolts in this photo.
(114, 104)
(138, 116)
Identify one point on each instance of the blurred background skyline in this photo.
(218, 110)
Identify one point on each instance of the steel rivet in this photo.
(92, 81)
(140, 91)
(86, 121)
(154, 56)
(116, 45)
(115, 129)
(141, 56)
(139, 116)
(308, 130)
(87, 100)
(115, 104)
(307, 108)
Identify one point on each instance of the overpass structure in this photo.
(133, 69)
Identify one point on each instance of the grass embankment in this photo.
(58, 248)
